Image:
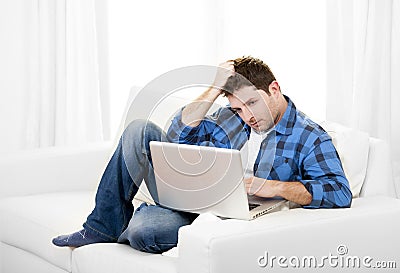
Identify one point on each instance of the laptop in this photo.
(204, 179)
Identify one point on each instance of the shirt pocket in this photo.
(285, 169)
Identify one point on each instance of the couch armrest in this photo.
(53, 169)
(369, 228)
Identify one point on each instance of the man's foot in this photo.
(79, 238)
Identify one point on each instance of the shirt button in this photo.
(264, 145)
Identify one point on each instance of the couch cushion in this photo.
(118, 258)
(352, 146)
(30, 222)
(53, 169)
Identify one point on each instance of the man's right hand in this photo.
(224, 71)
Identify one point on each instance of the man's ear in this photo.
(274, 88)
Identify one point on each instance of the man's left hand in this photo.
(292, 191)
(260, 186)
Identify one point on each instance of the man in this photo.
(304, 168)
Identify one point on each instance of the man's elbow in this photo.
(340, 200)
(348, 198)
(343, 199)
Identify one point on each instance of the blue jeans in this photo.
(152, 228)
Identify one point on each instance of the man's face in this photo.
(255, 107)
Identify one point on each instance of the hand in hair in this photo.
(224, 71)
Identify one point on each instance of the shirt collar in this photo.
(285, 125)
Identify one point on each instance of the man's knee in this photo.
(145, 233)
(135, 127)
(141, 128)
(141, 238)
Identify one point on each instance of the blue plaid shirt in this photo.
(296, 149)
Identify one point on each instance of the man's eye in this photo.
(251, 102)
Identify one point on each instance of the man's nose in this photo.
(247, 115)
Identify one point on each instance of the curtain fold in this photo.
(372, 67)
(63, 98)
(363, 67)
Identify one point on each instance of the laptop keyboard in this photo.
(253, 206)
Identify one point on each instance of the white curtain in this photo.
(363, 47)
(64, 96)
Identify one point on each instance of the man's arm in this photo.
(292, 191)
(323, 183)
(193, 126)
(194, 113)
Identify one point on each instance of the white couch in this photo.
(50, 191)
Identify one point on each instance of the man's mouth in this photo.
(254, 124)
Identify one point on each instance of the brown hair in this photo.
(249, 71)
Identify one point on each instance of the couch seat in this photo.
(119, 258)
(32, 221)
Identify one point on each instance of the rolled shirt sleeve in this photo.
(179, 132)
(221, 129)
(324, 178)
(202, 134)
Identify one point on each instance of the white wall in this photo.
(148, 38)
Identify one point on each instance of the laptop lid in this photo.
(203, 179)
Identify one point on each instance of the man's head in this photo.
(249, 71)
(254, 94)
